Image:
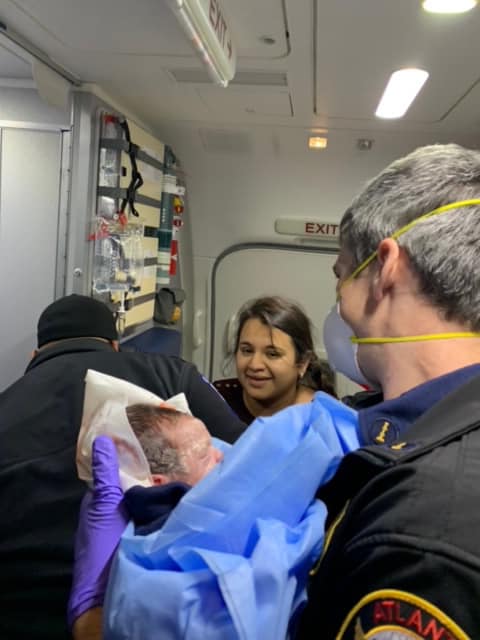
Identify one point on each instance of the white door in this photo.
(30, 185)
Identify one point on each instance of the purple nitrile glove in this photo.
(102, 521)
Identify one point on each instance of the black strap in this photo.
(136, 180)
(123, 145)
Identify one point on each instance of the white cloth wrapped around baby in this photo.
(104, 404)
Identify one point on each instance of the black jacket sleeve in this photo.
(392, 581)
(403, 555)
(208, 405)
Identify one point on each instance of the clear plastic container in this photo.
(119, 257)
(109, 166)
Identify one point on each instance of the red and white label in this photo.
(174, 258)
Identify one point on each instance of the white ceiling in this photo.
(337, 59)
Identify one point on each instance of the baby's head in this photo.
(177, 446)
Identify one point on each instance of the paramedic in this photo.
(40, 419)
(403, 559)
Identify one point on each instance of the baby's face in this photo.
(196, 449)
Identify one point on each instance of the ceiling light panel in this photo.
(401, 90)
(448, 6)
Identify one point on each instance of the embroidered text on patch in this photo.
(397, 615)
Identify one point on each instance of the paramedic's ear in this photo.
(160, 478)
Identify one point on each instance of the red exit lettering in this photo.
(322, 229)
(218, 23)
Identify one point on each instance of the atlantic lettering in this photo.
(416, 620)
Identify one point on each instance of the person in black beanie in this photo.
(76, 317)
(40, 417)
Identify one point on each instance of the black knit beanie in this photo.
(76, 317)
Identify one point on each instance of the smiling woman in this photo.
(275, 360)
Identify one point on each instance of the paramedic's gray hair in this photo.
(152, 426)
(444, 250)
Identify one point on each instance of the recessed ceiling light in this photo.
(448, 6)
(401, 90)
(317, 142)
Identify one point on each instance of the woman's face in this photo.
(266, 362)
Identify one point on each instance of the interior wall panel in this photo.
(29, 212)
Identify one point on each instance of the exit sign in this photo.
(308, 227)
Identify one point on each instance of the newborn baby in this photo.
(177, 446)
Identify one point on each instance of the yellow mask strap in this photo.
(407, 227)
(421, 338)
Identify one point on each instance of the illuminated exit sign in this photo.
(308, 227)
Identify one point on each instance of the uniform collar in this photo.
(76, 345)
(385, 422)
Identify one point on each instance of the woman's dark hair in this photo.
(280, 313)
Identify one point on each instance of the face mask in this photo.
(341, 352)
(340, 342)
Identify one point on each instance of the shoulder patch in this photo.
(382, 431)
(389, 614)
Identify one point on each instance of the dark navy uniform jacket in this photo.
(402, 553)
(231, 390)
(40, 493)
